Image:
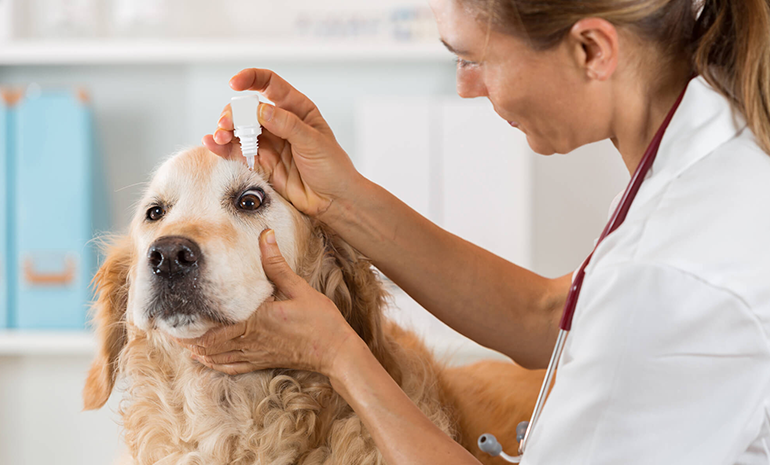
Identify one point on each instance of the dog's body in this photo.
(177, 411)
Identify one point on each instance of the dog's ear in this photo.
(343, 274)
(109, 319)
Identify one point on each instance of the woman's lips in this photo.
(514, 124)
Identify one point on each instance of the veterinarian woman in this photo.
(668, 361)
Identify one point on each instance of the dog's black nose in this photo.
(173, 256)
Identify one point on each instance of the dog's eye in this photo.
(251, 199)
(155, 213)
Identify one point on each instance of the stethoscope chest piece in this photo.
(488, 443)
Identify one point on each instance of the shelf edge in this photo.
(42, 342)
(190, 52)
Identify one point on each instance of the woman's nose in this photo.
(470, 85)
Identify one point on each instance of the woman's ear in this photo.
(337, 270)
(109, 319)
(596, 45)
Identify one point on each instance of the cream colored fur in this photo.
(177, 411)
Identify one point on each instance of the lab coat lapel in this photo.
(703, 122)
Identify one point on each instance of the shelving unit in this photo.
(23, 343)
(180, 51)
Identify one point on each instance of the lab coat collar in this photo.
(704, 121)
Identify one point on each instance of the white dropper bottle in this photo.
(246, 125)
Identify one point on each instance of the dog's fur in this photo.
(177, 411)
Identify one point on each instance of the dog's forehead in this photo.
(200, 171)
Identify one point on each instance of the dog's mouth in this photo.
(177, 304)
(180, 307)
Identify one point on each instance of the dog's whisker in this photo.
(132, 185)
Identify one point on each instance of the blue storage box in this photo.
(52, 218)
(4, 181)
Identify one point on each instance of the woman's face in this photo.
(543, 93)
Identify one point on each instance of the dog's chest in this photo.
(195, 415)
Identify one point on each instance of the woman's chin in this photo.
(539, 146)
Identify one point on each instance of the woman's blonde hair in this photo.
(726, 41)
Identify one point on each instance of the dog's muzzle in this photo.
(177, 298)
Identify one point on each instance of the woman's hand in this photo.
(304, 332)
(308, 332)
(297, 149)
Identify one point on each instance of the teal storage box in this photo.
(5, 145)
(52, 219)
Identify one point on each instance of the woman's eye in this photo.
(155, 213)
(251, 200)
(464, 63)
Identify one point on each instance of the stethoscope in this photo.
(487, 442)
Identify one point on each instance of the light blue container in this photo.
(4, 245)
(52, 220)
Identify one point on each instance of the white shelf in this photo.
(67, 343)
(42, 342)
(111, 51)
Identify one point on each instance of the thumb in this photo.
(276, 268)
(287, 125)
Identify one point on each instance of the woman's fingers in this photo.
(224, 358)
(224, 132)
(232, 345)
(276, 268)
(223, 137)
(270, 148)
(274, 88)
(216, 336)
(232, 368)
(268, 139)
(226, 119)
(231, 151)
(221, 141)
(287, 125)
(222, 334)
(220, 150)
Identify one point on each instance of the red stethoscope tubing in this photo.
(569, 306)
(620, 213)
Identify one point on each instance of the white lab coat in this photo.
(668, 361)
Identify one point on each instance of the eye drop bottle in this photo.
(246, 125)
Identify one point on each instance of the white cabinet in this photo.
(454, 161)
(464, 168)
(42, 375)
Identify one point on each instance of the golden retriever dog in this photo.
(190, 262)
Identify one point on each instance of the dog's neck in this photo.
(175, 406)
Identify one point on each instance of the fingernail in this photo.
(270, 237)
(266, 112)
(220, 122)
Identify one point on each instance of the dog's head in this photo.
(195, 238)
(191, 261)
